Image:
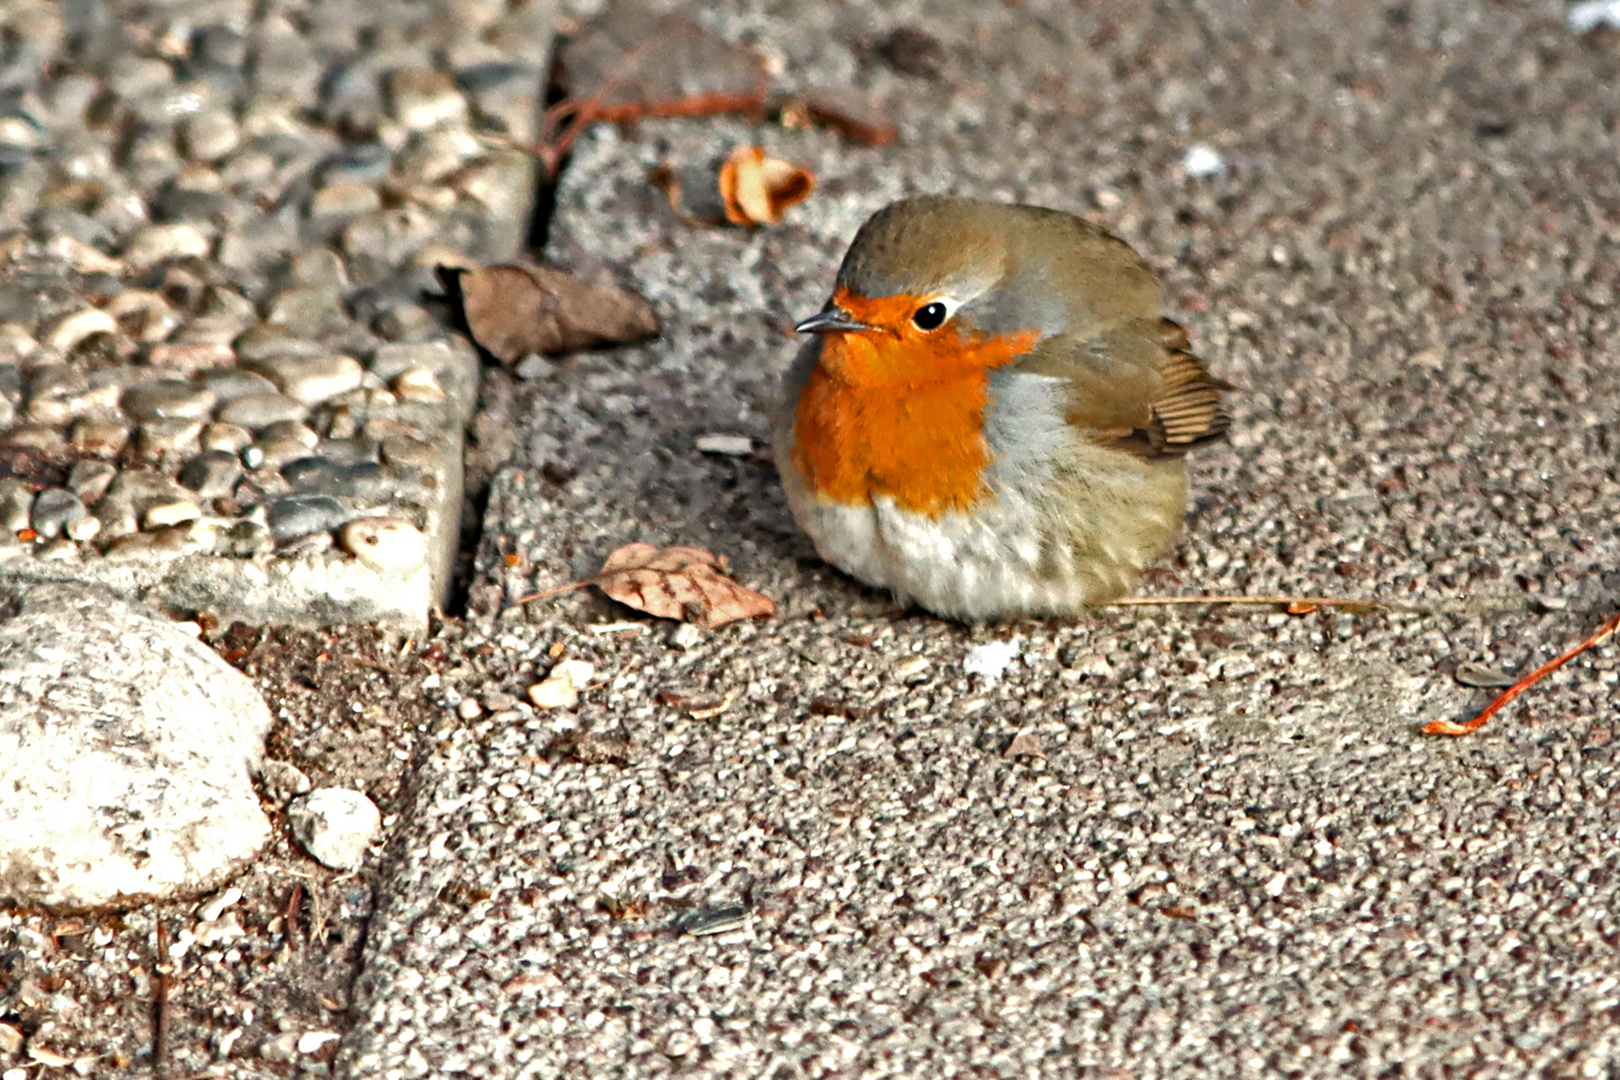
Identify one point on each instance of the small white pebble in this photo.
(911, 668)
(215, 907)
(1590, 14)
(560, 689)
(418, 384)
(67, 333)
(311, 1041)
(685, 636)
(729, 445)
(990, 660)
(335, 825)
(1202, 159)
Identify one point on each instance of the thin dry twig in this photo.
(294, 898)
(563, 123)
(1296, 605)
(1446, 727)
(580, 113)
(557, 591)
(165, 973)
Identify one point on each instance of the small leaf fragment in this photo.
(1023, 745)
(678, 582)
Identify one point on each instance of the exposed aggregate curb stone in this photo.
(215, 232)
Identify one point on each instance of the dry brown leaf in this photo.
(851, 114)
(757, 188)
(515, 311)
(684, 583)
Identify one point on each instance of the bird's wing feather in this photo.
(1136, 387)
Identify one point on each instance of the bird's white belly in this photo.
(972, 565)
(1004, 558)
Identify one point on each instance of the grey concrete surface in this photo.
(1237, 856)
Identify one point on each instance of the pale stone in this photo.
(160, 243)
(726, 445)
(171, 513)
(560, 689)
(388, 545)
(313, 379)
(418, 384)
(335, 825)
(423, 98)
(71, 331)
(126, 751)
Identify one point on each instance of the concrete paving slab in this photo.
(1234, 854)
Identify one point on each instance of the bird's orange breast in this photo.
(891, 414)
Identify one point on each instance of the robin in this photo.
(991, 418)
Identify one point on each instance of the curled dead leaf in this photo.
(758, 188)
(516, 311)
(684, 583)
(747, 188)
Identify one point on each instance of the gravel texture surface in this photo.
(854, 840)
(270, 959)
(816, 846)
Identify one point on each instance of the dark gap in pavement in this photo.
(545, 190)
(480, 460)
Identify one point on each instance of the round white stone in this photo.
(126, 753)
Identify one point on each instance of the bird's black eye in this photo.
(931, 316)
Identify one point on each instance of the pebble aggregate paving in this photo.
(812, 846)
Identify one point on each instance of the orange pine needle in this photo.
(1446, 727)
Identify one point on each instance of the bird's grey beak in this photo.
(832, 320)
